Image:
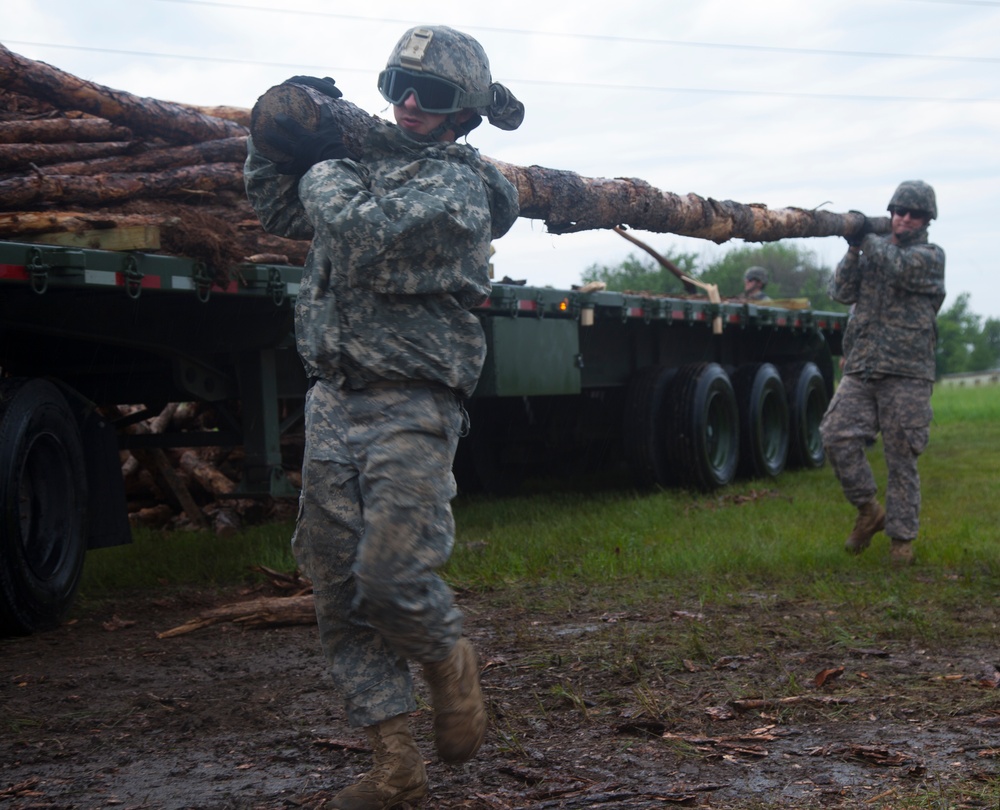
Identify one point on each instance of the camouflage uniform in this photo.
(889, 345)
(400, 252)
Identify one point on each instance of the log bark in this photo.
(568, 202)
(273, 611)
(56, 130)
(758, 704)
(135, 237)
(37, 189)
(22, 156)
(156, 461)
(205, 475)
(239, 115)
(223, 150)
(146, 117)
(31, 223)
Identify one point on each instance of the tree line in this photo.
(966, 341)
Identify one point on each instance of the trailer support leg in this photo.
(263, 473)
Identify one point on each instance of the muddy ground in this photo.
(590, 706)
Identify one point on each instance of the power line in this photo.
(541, 82)
(635, 40)
(958, 2)
(186, 57)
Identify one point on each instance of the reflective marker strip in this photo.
(106, 277)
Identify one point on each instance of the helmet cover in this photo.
(917, 195)
(456, 57)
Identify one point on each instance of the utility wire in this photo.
(630, 40)
(540, 82)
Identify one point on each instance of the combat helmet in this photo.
(916, 195)
(756, 273)
(448, 71)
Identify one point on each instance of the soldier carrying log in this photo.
(401, 223)
(896, 287)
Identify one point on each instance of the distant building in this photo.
(971, 378)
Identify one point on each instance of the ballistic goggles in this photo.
(915, 213)
(433, 95)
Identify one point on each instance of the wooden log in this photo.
(22, 156)
(157, 463)
(239, 115)
(304, 104)
(153, 517)
(28, 224)
(56, 130)
(568, 202)
(38, 189)
(205, 475)
(130, 237)
(155, 460)
(222, 150)
(273, 611)
(146, 117)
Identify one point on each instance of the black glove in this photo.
(855, 239)
(307, 148)
(326, 85)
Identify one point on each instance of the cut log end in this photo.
(284, 99)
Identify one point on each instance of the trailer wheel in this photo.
(43, 493)
(760, 395)
(644, 431)
(704, 435)
(479, 465)
(807, 401)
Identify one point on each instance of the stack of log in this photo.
(195, 488)
(87, 165)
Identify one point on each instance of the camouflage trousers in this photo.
(374, 525)
(899, 408)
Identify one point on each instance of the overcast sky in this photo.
(800, 103)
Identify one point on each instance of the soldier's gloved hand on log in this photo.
(326, 85)
(855, 239)
(307, 147)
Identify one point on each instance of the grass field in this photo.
(785, 534)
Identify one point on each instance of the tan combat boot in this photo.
(901, 553)
(871, 519)
(398, 776)
(459, 713)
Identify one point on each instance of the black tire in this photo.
(760, 395)
(644, 429)
(479, 466)
(43, 490)
(807, 400)
(703, 434)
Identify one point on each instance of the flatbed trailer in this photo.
(684, 391)
(681, 391)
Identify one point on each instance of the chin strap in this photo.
(452, 124)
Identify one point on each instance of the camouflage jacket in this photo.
(399, 254)
(897, 292)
